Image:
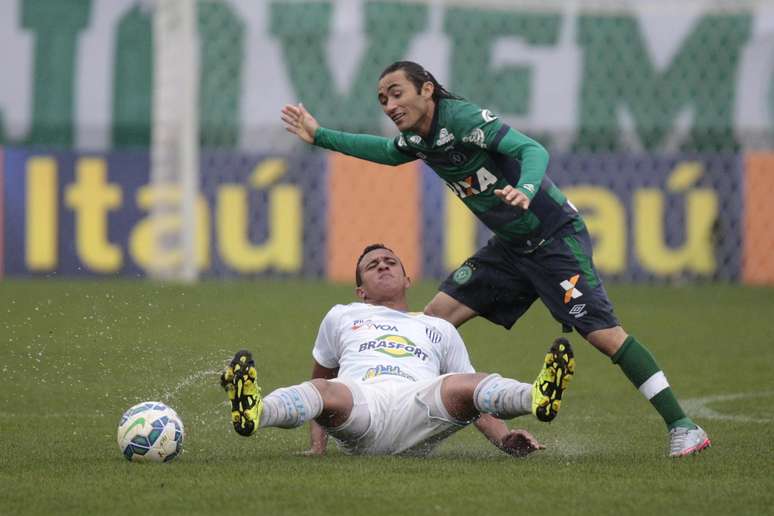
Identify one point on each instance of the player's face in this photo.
(382, 277)
(408, 109)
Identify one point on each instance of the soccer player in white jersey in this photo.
(388, 381)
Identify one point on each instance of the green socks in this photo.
(641, 369)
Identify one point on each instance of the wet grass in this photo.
(75, 355)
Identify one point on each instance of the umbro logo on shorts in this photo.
(578, 310)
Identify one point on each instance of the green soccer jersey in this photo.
(474, 152)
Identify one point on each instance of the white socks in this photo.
(502, 397)
(290, 407)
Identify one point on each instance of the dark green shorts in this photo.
(501, 283)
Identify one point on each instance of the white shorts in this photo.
(405, 417)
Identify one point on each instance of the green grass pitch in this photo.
(75, 355)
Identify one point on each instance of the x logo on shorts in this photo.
(570, 291)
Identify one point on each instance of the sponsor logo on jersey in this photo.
(368, 324)
(415, 139)
(476, 137)
(402, 141)
(396, 346)
(381, 370)
(473, 185)
(578, 310)
(487, 115)
(444, 137)
(570, 292)
(528, 187)
(433, 335)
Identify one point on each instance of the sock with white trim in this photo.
(639, 366)
(504, 398)
(290, 407)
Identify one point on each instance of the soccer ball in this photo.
(150, 432)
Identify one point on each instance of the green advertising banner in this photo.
(643, 76)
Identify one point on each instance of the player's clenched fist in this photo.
(513, 196)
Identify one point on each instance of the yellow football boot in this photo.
(547, 390)
(244, 394)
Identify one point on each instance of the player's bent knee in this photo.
(463, 384)
(337, 401)
(352, 418)
(609, 340)
(457, 392)
(332, 391)
(446, 307)
(320, 384)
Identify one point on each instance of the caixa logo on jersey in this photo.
(473, 184)
(368, 324)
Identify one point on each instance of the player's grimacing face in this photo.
(382, 274)
(408, 109)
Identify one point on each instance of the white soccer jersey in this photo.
(365, 341)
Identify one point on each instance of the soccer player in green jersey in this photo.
(540, 248)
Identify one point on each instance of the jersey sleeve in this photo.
(476, 127)
(455, 358)
(481, 128)
(327, 350)
(532, 155)
(364, 146)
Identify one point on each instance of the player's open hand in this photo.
(513, 196)
(520, 443)
(299, 122)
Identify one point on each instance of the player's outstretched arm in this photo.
(377, 149)
(517, 443)
(300, 122)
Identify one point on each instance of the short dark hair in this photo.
(368, 249)
(417, 75)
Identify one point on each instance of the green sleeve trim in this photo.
(533, 158)
(364, 146)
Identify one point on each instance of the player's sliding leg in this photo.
(287, 407)
(290, 407)
(506, 398)
(640, 367)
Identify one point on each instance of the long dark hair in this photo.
(417, 75)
